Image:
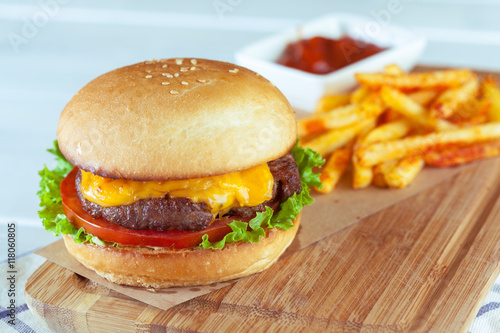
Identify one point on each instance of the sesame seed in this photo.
(193, 68)
(178, 61)
(184, 69)
(202, 81)
(193, 61)
(148, 76)
(184, 82)
(176, 74)
(234, 70)
(167, 75)
(174, 92)
(164, 66)
(165, 83)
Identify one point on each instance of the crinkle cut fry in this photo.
(383, 151)
(461, 155)
(334, 168)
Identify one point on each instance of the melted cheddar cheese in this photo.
(245, 188)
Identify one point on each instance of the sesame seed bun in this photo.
(163, 267)
(175, 119)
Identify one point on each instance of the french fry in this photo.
(334, 139)
(400, 102)
(404, 172)
(376, 153)
(338, 118)
(359, 95)
(483, 112)
(307, 138)
(451, 100)
(362, 176)
(491, 92)
(334, 168)
(330, 102)
(390, 131)
(423, 97)
(460, 155)
(413, 81)
(379, 172)
(474, 112)
(393, 70)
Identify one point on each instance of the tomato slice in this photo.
(110, 232)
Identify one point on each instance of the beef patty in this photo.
(169, 213)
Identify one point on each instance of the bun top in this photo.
(176, 119)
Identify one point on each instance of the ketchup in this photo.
(320, 55)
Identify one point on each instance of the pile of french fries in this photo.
(395, 123)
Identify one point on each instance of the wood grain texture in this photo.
(422, 265)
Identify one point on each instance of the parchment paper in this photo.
(328, 214)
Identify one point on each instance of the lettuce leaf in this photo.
(306, 160)
(51, 211)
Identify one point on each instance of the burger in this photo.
(177, 172)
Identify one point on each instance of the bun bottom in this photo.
(164, 268)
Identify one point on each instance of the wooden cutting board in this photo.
(424, 264)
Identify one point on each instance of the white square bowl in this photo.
(303, 89)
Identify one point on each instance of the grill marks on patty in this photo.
(169, 213)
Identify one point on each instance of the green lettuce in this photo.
(51, 211)
(254, 230)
